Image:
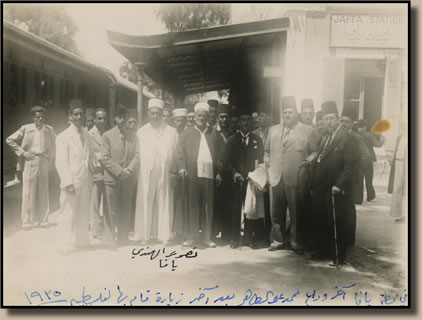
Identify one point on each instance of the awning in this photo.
(197, 60)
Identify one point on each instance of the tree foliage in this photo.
(128, 71)
(181, 17)
(50, 22)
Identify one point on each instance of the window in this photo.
(6, 74)
(13, 85)
(354, 92)
(37, 87)
(51, 90)
(43, 89)
(22, 92)
(62, 94)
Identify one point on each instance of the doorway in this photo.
(364, 88)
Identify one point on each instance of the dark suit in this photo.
(118, 152)
(242, 159)
(364, 169)
(367, 166)
(336, 168)
(223, 197)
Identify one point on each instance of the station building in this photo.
(325, 52)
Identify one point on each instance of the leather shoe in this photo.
(298, 251)
(210, 244)
(187, 243)
(276, 246)
(234, 244)
(334, 264)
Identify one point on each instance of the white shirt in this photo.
(245, 138)
(36, 142)
(204, 162)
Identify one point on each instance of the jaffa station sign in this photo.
(366, 30)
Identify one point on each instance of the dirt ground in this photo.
(36, 274)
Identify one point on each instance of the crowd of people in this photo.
(215, 176)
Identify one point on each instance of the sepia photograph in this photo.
(205, 154)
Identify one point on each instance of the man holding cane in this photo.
(334, 215)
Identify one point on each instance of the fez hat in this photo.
(349, 111)
(37, 109)
(90, 112)
(307, 103)
(121, 110)
(133, 113)
(191, 114)
(288, 102)
(224, 108)
(202, 106)
(181, 112)
(155, 103)
(254, 114)
(213, 103)
(234, 114)
(319, 115)
(329, 107)
(76, 104)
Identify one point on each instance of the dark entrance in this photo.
(364, 87)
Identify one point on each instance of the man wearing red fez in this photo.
(288, 146)
(333, 171)
(74, 159)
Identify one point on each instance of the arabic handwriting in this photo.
(212, 295)
(165, 260)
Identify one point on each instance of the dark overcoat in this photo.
(186, 156)
(337, 168)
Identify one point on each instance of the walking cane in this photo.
(184, 213)
(241, 213)
(335, 230)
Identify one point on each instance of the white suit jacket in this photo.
(73, 159)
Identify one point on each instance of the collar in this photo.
(163, 125)
(33, 127)
(291, 127)
(75, 128)
(244, 135)
(203, 132)
(334, 133)
(96, 129)
(121, 131)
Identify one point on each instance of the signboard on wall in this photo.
(368, 30)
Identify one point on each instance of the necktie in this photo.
(244, 139)
(324, 150)
(286, 135)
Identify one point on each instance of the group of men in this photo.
(191, 178)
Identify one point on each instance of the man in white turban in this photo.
(154, 203)
(197, 161)
(179, 119)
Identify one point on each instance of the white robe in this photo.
(154, 199)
